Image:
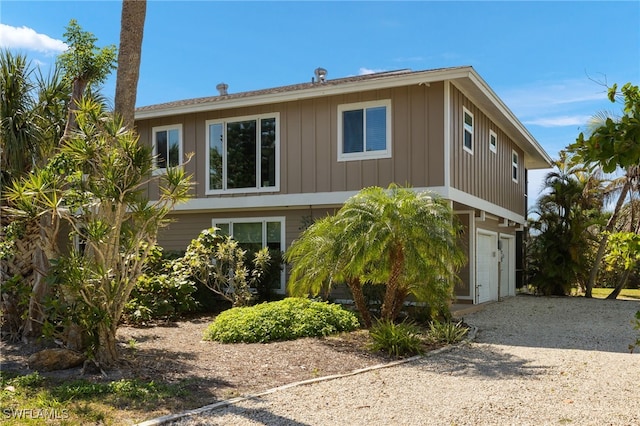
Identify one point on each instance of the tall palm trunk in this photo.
(129, 55)
(397, 265)
(358, 298)
(603, 242)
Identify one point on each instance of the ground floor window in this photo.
(254, 234)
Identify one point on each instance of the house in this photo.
(268, 162)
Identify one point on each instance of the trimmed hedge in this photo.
(287, 319)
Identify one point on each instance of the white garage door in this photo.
(487, 267)
(508, 267)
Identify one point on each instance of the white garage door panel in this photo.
(487, 268)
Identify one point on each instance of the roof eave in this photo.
(318, 90)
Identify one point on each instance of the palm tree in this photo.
(319, 262)
(559, 250)
(129, 55)
(398, 237)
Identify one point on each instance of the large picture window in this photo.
(255, 233)
(167, 146)
(243, 154)
(364, 130)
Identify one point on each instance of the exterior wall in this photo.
(484, 174)
(185, 227)
(463, 287)
(308, 142)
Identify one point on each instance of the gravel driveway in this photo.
(534, 361)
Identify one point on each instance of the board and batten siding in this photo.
(484, 174)
(308, 142)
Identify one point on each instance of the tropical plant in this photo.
(396, 339)
(286, 319)
(561, 234)
(218, 263)
(398, 237)
(94, 186)
(612, 146)
(447, 332)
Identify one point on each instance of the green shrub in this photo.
(163, 296)
(396, 339)
(446, 332)
(287, 319)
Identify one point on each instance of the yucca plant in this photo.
(396, 339)
(447, 332)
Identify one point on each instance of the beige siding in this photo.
(484, 174)
(308, 142)
(463, 287)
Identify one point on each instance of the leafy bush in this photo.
(287, 319)
(396, 339)
(164, 296)
(446, 332)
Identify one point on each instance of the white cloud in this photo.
(365, 71)
(559, 121)
(29, 39)
(558, 95)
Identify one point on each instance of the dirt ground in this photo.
(210, 371)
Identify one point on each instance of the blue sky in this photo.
(546, 60)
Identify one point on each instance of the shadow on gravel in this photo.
(258, 415)
(484, 361)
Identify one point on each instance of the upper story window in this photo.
(467, 130)
(364, 130)
(493, 141)
(514, 166)
(243, 154)
(167, 146)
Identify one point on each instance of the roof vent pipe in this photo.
(222, 88)
(321, 74)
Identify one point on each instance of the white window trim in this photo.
(263, 220)
(353, 156)
(157, 170)
(493, 147)
(515, 165)
(223, 121)
(470, 129)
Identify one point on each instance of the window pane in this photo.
(215, 156)
(353, 128)
(377, 129)
(468, 139)
(268, 152)
(273, 235)
(468, 120)
(241, 154)
(249, 235)
(174, 147)
(224, 228)
(161, 149)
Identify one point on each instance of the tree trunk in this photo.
(358, 298)
(78, 88)
(129, 55)
(401, 295)
(603, 243)
(622, 282)
(106, 353)
(388, 305)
